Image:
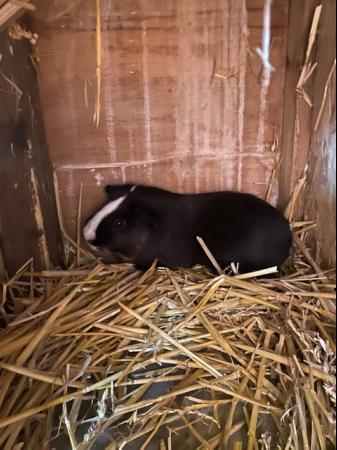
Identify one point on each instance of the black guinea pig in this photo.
(140, 224)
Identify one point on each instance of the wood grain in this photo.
(297, 114)
(23, 148)
(320, 200)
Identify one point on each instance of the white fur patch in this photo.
(90, 229)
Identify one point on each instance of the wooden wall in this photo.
(296, 133)
(309, 133)
(320, 198)
(181, 107)
(28, 219)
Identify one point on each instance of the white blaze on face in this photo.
(90, 229)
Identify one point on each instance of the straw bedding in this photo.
(110, 356)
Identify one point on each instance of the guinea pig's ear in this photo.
(108, 189)
(112, 190)
(145, 216)
(120, 190)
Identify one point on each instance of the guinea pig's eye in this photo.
(119, 224)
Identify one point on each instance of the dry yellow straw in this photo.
(221, 351)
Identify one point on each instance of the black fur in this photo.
(156, 224)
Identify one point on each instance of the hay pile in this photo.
(167, 360)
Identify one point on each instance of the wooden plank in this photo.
(320, 199)
(2, 268)
(297, 114)
(29, 223)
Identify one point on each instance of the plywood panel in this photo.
(320, 199)
(297, 122)
(182, 103)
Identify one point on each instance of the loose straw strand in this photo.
(264, 52)
(97, 115)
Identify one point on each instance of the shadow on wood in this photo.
(29, 222)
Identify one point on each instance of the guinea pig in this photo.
(140, 224)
